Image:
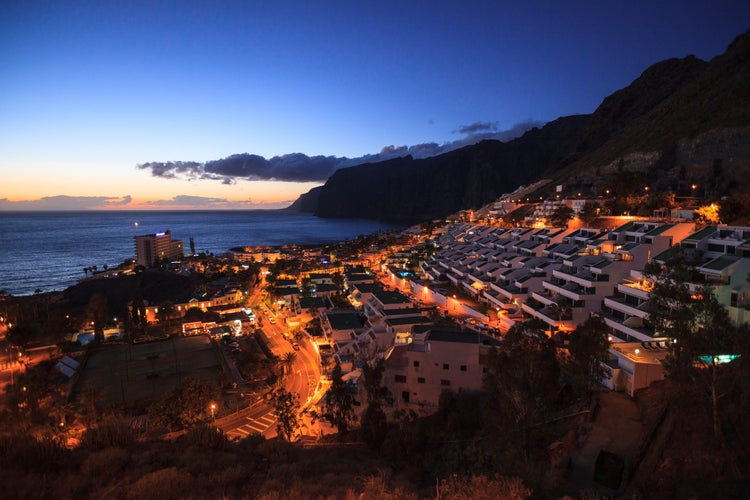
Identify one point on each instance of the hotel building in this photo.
(150, 249)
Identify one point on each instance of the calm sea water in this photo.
(48, 250)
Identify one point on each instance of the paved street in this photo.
(259, 418)
(302, 377)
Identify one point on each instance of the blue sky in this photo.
(91, 90)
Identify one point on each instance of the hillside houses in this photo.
(503, 276)
(559, 276)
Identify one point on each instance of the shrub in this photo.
(161, 484)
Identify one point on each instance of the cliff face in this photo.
(674, 107)
(307, 202)
(408, 190)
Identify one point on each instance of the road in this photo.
(258, 418)
(302, 377)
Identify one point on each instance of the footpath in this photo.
(618, 429)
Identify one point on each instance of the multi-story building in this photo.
(150, 249)
(453, 360)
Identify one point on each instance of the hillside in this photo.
(676, 123)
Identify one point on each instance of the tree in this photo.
(138, 312)
(561, 216)
(338, 407)
(707, 214)
(192, 246)
(374, 424)
(697, 326)
(166, 312)
(21, 334)
(288, 359)
(285, 405)
(589, 213)
(96, 310)
(184, 406)
(522, 380)
(589, 348)
(715, 335)
(670, 311)
(561, 309)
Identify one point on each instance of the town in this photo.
(304, 343)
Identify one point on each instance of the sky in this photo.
(247, 104)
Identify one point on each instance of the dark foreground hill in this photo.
(677, 122)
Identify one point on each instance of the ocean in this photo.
(48, 251)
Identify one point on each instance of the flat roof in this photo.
(461, 336)
(639, 352)
(703, 233)
(409, 320)
(344, 320)
(658, 230)
(719, 263)
(391, 297)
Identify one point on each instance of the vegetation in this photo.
(184, 406)
(374, 425)
(588, 347)
(338, 405)
(286, 406)
(698, 330)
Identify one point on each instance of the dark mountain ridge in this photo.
(408, 190)
(679, 113)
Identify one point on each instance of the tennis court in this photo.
(125, 374)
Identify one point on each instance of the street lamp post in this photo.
(213, 412)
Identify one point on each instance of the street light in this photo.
(213, 411)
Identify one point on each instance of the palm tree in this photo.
(561, 309)
(166, 313)
(288, 360)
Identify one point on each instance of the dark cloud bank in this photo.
(298, 167)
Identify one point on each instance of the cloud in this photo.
(185, 201)
(63, 202)
(478, 127)
(298, 167)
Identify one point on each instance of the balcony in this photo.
(545, 297)
(620, 304)
(548, 315)
(630, 329)
(570, 290)
(640, 289)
